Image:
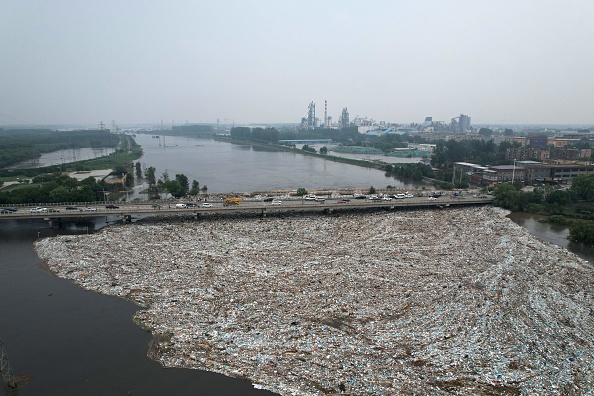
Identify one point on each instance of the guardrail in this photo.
(124, 210)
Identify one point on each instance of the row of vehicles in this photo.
(311, 197)
(68, 208)
(192, 205)
(385, 197)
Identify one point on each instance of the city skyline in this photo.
(68, 62)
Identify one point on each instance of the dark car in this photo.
(6, 211)
(11, 209)
(52, 210)
(191, 204)
(268, 199)
(71, 208)
(111, 206)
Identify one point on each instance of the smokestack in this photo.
(326, 114)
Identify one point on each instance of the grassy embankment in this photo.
(279, 147)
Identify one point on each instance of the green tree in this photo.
(507, 197)
(195, 188)
(485, 132)
(559, 197)
(244, 133)
(183, 181)
(372, 190)
(60, 194)
(129, 179)
(583, 187)
(150, 176)
(582, 231)
(439, 158)
(174, 188)
(301, 191)
(138, 170)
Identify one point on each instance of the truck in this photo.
(232, 201)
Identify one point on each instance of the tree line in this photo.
(178, 187)
(59, 187)
(17, 145)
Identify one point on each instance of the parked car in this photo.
(111, 206)
(275, 202)
(206, 205)
(89, 209)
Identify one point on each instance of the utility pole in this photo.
(6, 370)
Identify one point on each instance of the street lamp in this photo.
(514, 172)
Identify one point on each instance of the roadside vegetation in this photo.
(178, 187)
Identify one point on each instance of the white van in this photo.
(181, 206)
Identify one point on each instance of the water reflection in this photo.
(225, 167)
(63, 157)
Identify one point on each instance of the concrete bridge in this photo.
(126, 211)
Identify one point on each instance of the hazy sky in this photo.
(264, 61)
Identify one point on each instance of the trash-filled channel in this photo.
(454, 301)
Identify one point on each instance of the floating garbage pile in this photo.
(457, 301)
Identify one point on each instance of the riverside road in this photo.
(67, 211)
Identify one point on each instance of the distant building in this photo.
(508, 173)
(547, 154)
(556, 173)
(461, 124)
(344, 118)
(423, 147)
(537, 141)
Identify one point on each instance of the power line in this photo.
(12, 118)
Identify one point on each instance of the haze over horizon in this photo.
(504, 62)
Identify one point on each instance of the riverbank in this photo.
(279, 147)
(128, 150)
(381, 302)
